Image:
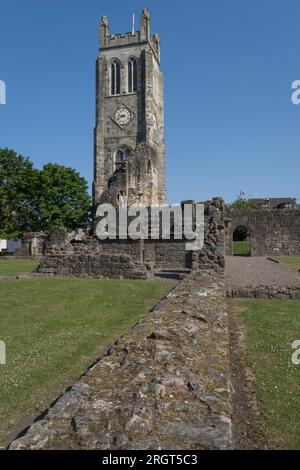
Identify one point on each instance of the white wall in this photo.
(3, 245)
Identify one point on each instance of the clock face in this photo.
(122, 116)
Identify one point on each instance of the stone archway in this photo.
(241, 241)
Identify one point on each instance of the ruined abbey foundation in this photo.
(167, 383)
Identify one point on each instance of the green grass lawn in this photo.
(271, 328)
(17, 266)
(53, 328)
(293, 261)
(242, 248)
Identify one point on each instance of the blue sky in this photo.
(229, 121)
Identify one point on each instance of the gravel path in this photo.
(255, 271)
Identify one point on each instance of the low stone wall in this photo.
(22, 277)
(164, 385)
(102, 265)
(265, 292)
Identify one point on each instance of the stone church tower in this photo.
(129, 150)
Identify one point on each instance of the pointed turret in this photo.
(103, 32)
(145, 26)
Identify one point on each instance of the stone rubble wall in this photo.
(89, 246)
(213, 253)
(265, 292)
(273, 232)
(60, 236)
(22, 276)
(166, 384)
(74, 256)
(100, 265)
(32, 245)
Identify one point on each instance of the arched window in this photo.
(121, 155)
(115, 77)
(132, 75)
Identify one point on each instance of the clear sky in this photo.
(229, 121)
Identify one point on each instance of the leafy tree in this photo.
(63, 198)
(240, 234)
(18, 182)
(243, 202)
(33, 200)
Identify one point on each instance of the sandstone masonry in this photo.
(135, 259)
(164, 385)
(129, 112)
(272, 231)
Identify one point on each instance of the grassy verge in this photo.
(9, 267)
(292, 261)
(271, 328)
(53, 328)
(242, 248)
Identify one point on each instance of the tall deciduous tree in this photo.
(33, 200)
(18, 183)
(63, 198)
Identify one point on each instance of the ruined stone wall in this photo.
(151, 254)
(136, 179)
(32, 244)
(265, 292)
(166, 384)
(101, 265)
(167, 254)
(273, 232)
(213, 253)
(90, 245)
(133, 248)
(160, 253)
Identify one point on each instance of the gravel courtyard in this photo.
(254, 271)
